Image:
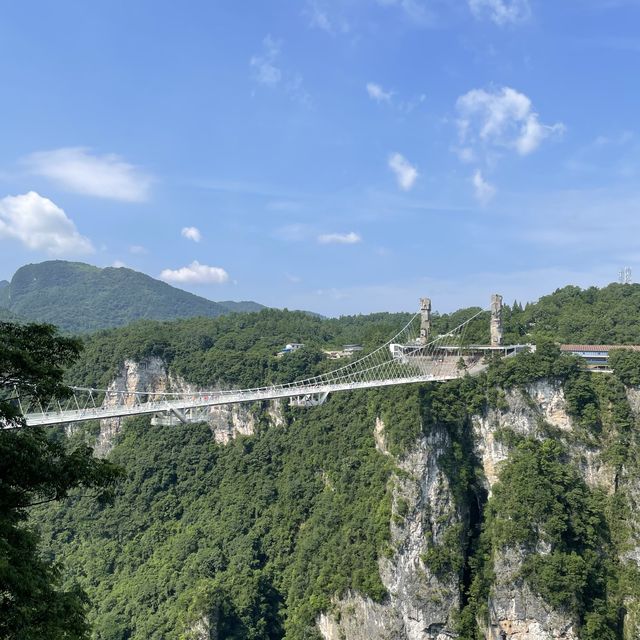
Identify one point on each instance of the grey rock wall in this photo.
(419, 605)
(422, 607)
(151, 376)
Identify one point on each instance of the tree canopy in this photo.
(35, 468)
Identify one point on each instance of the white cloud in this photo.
(501, 11)
(196, 273)
(118, 264)
(319, 19)
(75, 169)
(503, 118)
(294, 88)
(465, 154)
(267, 72)
(137, 249)
(483, 190)
(191, 233)
(339, 238)
(40, 225)
(264, 65)
(406, 173)
(377, 93)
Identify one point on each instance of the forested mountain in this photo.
(234, 349)
(79, 297)
(369, 517)
(241, 349)
(589, 316)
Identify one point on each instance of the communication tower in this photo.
(624, 275)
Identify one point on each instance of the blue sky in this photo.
(341, 156)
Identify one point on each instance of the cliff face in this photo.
(423, 606)
(512, 604)
(151, 376)
(420, 604)
(528, 413)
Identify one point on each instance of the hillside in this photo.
(571, 314)
(508, 500)
(241, 350)
(80, 298)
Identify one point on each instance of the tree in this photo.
(34, 468)
(626, 365)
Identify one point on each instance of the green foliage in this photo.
(481, 577)
(582, 401)
(32, 359)
(546, 362)
(400, 410)
(238, 350)
(540, 498)
(476, 330)
(79, 297)
(619, 425)
(35, 469)
(542, 506)
(256, 535)
(447, 558)
(583, 316)
(626, 365)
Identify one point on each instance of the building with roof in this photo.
(596, 356)
(290, 348)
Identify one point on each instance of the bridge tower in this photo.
(496, 320)
(425, 320)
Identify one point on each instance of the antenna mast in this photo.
(624, 275)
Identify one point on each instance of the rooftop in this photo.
(598, 347)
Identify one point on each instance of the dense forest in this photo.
(258, 536)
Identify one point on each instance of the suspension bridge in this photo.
(411, 356)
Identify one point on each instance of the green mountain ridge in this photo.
(80, 298)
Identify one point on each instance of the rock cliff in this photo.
(420, 603)
(423, 606)
(152, 376)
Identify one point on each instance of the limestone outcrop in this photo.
(151, 375)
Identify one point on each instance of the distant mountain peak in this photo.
(80, 297)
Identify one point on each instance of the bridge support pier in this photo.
(179, 415)
(309, 400)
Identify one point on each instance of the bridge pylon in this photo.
(425, 320)
(496, 320)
